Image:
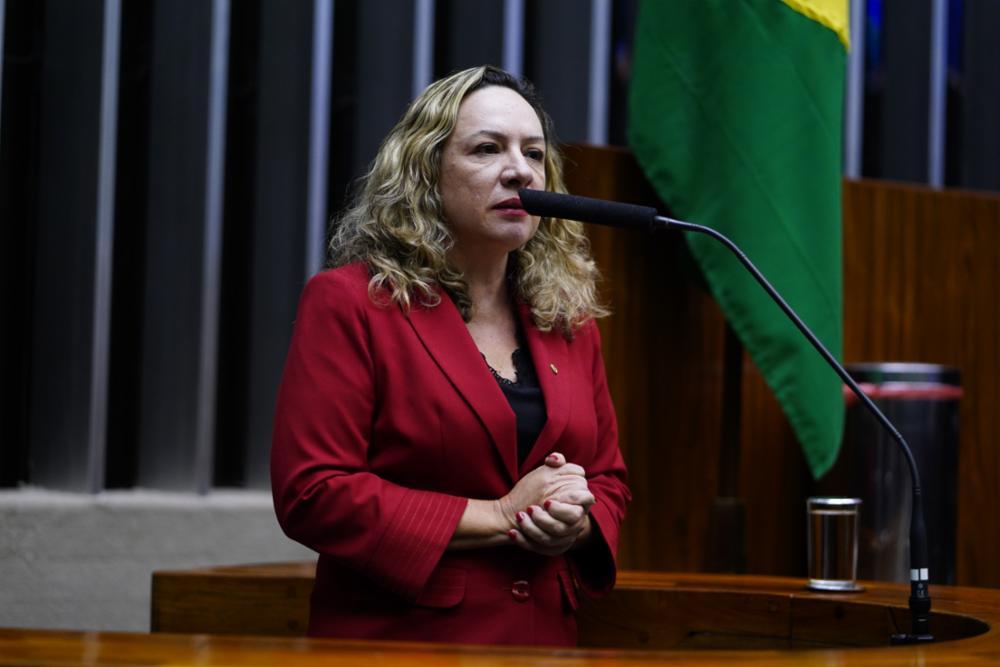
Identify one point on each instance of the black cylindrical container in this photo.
(922, 401)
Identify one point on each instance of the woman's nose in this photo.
(518, 172)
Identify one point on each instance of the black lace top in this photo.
(526, 400)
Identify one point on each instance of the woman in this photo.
(444, 435)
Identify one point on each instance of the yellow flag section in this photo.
(834, 14)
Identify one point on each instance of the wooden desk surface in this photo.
(707, 619)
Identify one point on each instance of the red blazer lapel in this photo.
(551, 358)
(447, 340)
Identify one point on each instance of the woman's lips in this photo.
(511, 207)
(517, 212)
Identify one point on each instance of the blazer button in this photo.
(521, 591)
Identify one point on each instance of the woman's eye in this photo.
(535, 154)
(487, 149)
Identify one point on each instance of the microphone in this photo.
(585, 209)
(629, 216)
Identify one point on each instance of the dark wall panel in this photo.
(62, 454)
(131, 211)
(20, 136)
(557, 60)
(181, 277)
(280, 217)
(385, 78)
(469, 34)
(980, 140)
(903, 125)
(237, 267)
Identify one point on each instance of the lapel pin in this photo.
(555, 371)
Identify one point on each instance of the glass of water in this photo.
(832, 534)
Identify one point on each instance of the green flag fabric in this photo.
(735, 117)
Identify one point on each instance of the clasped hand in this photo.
(548, 508)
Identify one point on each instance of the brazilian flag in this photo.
(735, 117)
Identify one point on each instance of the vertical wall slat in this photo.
(600, 66)
(72, 236)
(854, 98)
(513, 36)
(319, 134)
(212, 258)
(937, 88)
(187, 139)
(107, 153)
(423, 45)
(3, 15)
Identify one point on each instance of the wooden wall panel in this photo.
(663, 349)
(774, 481)
(921, 283)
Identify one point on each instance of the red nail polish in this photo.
(546, 504)
(529, 511)
(512, 534)
(519, 517)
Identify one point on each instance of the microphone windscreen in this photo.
(586, 209)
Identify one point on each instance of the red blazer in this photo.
(386, 424)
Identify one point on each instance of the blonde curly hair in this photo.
(396, 225)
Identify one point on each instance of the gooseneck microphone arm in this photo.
(597, 211)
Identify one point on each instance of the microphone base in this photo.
(905, 639)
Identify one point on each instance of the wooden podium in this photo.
(256, 615)
(646, 611)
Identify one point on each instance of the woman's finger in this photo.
(583, 497)
(553, 526)
(572, 496)
(555, 460)
(528, 528)
(565, 484)
(531, 530)
(567, 513)
(529, 545)
(571, 469)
